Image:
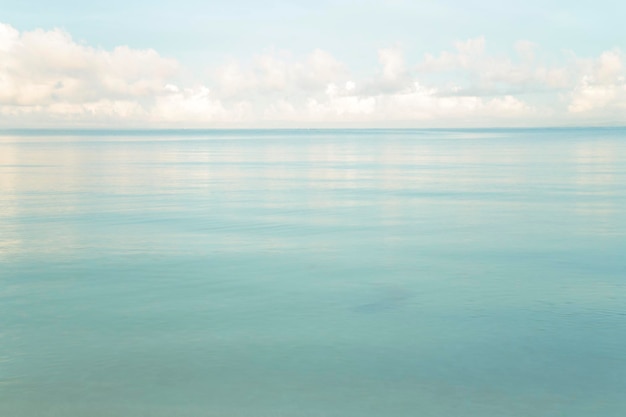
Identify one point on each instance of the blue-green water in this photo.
(313, 273)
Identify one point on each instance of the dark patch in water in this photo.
(388, 299)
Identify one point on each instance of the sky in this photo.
(343, 63)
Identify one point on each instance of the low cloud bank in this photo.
(49, 79)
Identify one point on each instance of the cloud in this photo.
(525, 50)
(469, 54)
(48, 78)
(275, 72)
(189, 104)
(601, 88)
(483, 74)
(44, 68)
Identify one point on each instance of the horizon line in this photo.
(244, 129)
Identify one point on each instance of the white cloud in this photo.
(277, 73)
(43, 68)
(392, 61)
(468, 55)
(187, 105)
(525, 50)
(609, 67)
(488, 74)
(47, 78)
(601, 87)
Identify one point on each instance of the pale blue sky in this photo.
(359, 50)
(202, 31)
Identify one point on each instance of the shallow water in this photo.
(431, 273)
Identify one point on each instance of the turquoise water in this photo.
(424, 273)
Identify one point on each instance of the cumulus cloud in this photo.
(47, 78)
(43, 68)
(275, 72)
(482, 74)
(413, 103)
(525, 50)
(188, 104)
(601, 88)
(469, 54)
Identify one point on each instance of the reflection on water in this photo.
(313, 273)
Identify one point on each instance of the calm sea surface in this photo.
(417, 273)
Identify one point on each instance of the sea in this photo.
(313, 273)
